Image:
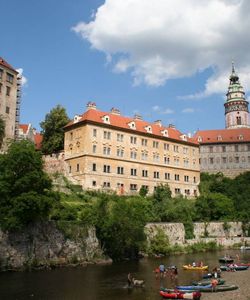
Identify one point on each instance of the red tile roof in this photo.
(223, 136)
(94, 115)
(24, 127)
(6, 65)
(38, 140)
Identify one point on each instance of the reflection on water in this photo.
(105, 282)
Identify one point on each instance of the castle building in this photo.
(228, 150)
(10, 96)
(108, 151)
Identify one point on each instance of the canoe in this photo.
(193, 287)
(233, 268)
(207, 282)
(178, 295)
(226, 260)
(188, 267)
(219, 288)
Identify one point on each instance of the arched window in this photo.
(238, 120)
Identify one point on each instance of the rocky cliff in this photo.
(44, 245)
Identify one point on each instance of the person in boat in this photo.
(130, 279)
(214, 283)
(194, 264)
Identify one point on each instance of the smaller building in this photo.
(27, 132)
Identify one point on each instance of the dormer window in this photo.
(240, 137)
(76, 118)
(106, 119)
(164, 132)
(184, 137)
(199, 139)
(219, 138)
(132, 125)
(148, 129)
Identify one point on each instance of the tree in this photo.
(2, 130)
(25, 190)
(52, 130)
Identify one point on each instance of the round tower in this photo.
(236, 106)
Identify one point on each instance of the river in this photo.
(104, 282)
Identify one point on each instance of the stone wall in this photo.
(225, 234)
(55, 163)
(44, 245)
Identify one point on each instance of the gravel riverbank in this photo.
(240, 278)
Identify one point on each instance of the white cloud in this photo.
(24, 79)
(156, 108)
(167, 111)
(188, 110)
(164, 39)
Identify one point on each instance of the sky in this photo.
(165, 60)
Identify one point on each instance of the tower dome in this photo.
(236, 106)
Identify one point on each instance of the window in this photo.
(106, 150)
(166, 147)
(7, 90)
(94, 183)
(70, 169)
(144, 173)
(177, 191)
(7, 110)
(186, 162)
(94, 148)
(106, 184)
(133, 154)
(120, 170)
(133, 187)
(185, 150)
(167, 176)
(238, 120)
(166, 160)
(1, 88)
(133, 140)
(176, 148)
(93, 167)
(119, 137)
(211, 160)
(107, 135)
(176, 177)
(120, 152)
(1, 73)
(211, 149)
(248, 147)
(237, 159)
(156, 157)
(187, 192)
(223, 148)
(156, 174)
(186, 178)
(9, 78)
(106, 169)
(94, 132)
(155, 144)
(176, 161)
(224, 160)
(236, 148)
(194, 179)
(144, 142)
(144, 156)
(145, 187)
(133, 172)
(77, 167)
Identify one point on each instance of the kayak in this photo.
(207, 282)
(193, 287)
(218, 288)
(178, 295)
(233, 268)
(226, 260)
(189, 267)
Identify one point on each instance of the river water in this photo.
(104, 282)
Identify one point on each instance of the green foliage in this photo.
(159, 244)
(189, 230)
(162, 192)
(2, 130)
(25, 189)
(200, 246)
(143, 191)
(52, 130)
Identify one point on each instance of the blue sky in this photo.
(170, 64)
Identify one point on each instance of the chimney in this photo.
(91, 105)
(171, 126)
(115, 111)
(158, 122)
(137, 117)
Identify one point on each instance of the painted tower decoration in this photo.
(236, 106)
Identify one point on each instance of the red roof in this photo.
(122, 122)
(6, 65)
(223, 136)
(24, 127)
(38, 140)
